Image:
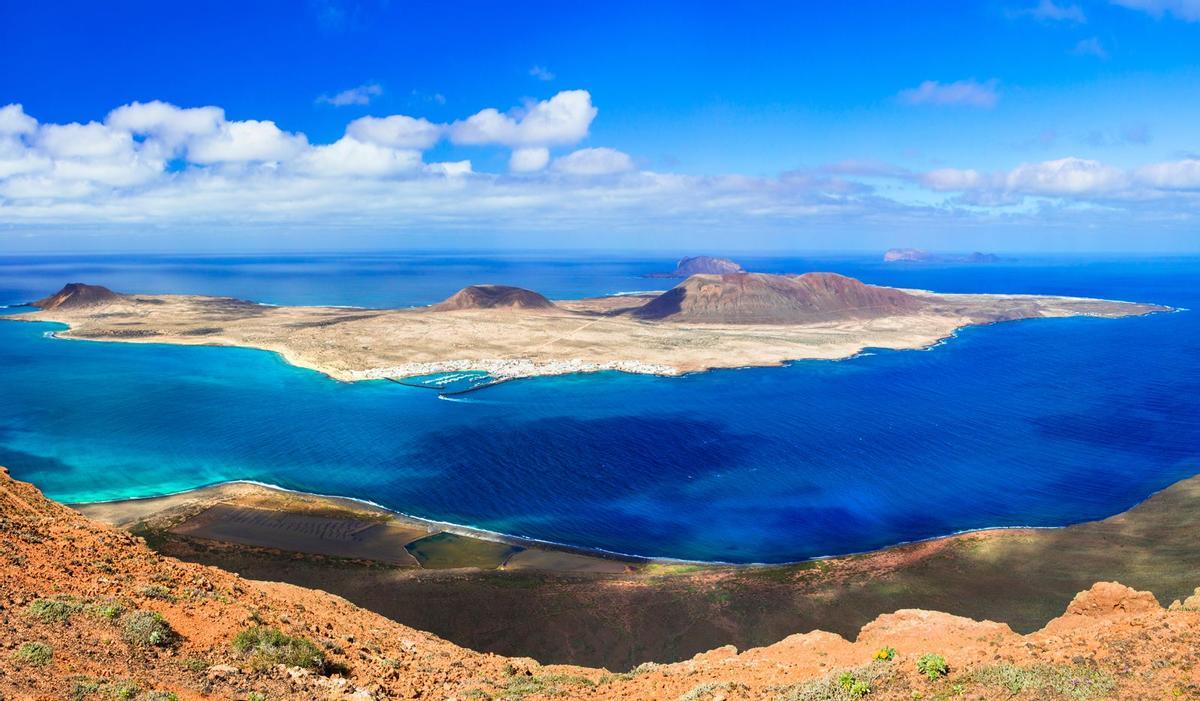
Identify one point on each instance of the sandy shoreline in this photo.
(177, 512)
(191, 513)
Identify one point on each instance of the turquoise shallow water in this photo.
(1044, 422)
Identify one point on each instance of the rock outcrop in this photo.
(493, 297)
(759, 298)
(77, 295)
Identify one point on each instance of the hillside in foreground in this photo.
(90, 612)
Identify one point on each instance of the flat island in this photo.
(707, 321)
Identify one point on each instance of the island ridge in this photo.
(705, 322)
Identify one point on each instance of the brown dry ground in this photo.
(576, 336)
(565, 608)
(61, 573)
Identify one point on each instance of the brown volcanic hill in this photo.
(759, 298)
(493, 297)
(90, 612)
(701, 265)
(76, 295)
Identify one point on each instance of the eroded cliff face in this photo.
(90, 612)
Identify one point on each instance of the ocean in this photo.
(1031, 423)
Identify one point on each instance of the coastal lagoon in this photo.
(1042, 422)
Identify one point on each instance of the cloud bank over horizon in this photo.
(155, 164)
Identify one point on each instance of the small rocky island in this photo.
(706, 321)
(918, 255)
(700, 265)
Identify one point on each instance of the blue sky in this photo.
(1036, 125)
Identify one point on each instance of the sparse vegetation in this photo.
(148, 628)
(88, 687)
(265, 646)
(158, 591)
(932, 666)
(706, 690)
(1047, 680)
(56, 610)
(122, 689)
(108, 609)
(885, 654)
(625, 676)
(846, 685)
(34, 654)
(517, 685)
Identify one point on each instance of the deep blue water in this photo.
(1044, 422)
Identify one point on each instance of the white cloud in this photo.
(169, 124)
(1052, 11)
(563, 119)
(249, 140)
(1187, 10)
(1090, 47)
(1065, 176)
(360, 95)
(13, 120)
(1174, 175)
(91, 140)
(962, 92)
(594, 161)
(351, 157)
(450, 169)
(945, 179)
(251, 173)
(397, 131)
(16, 158)
(541, 73)
(528, 160)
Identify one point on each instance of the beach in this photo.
(261, 516)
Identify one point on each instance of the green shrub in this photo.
(885, 654)
(109, 609)
(266, 646)
(932, 666)
(34, 654)
(54, 610)
(83, 687)
(148, 628)
(123, 690)
(159, 696)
